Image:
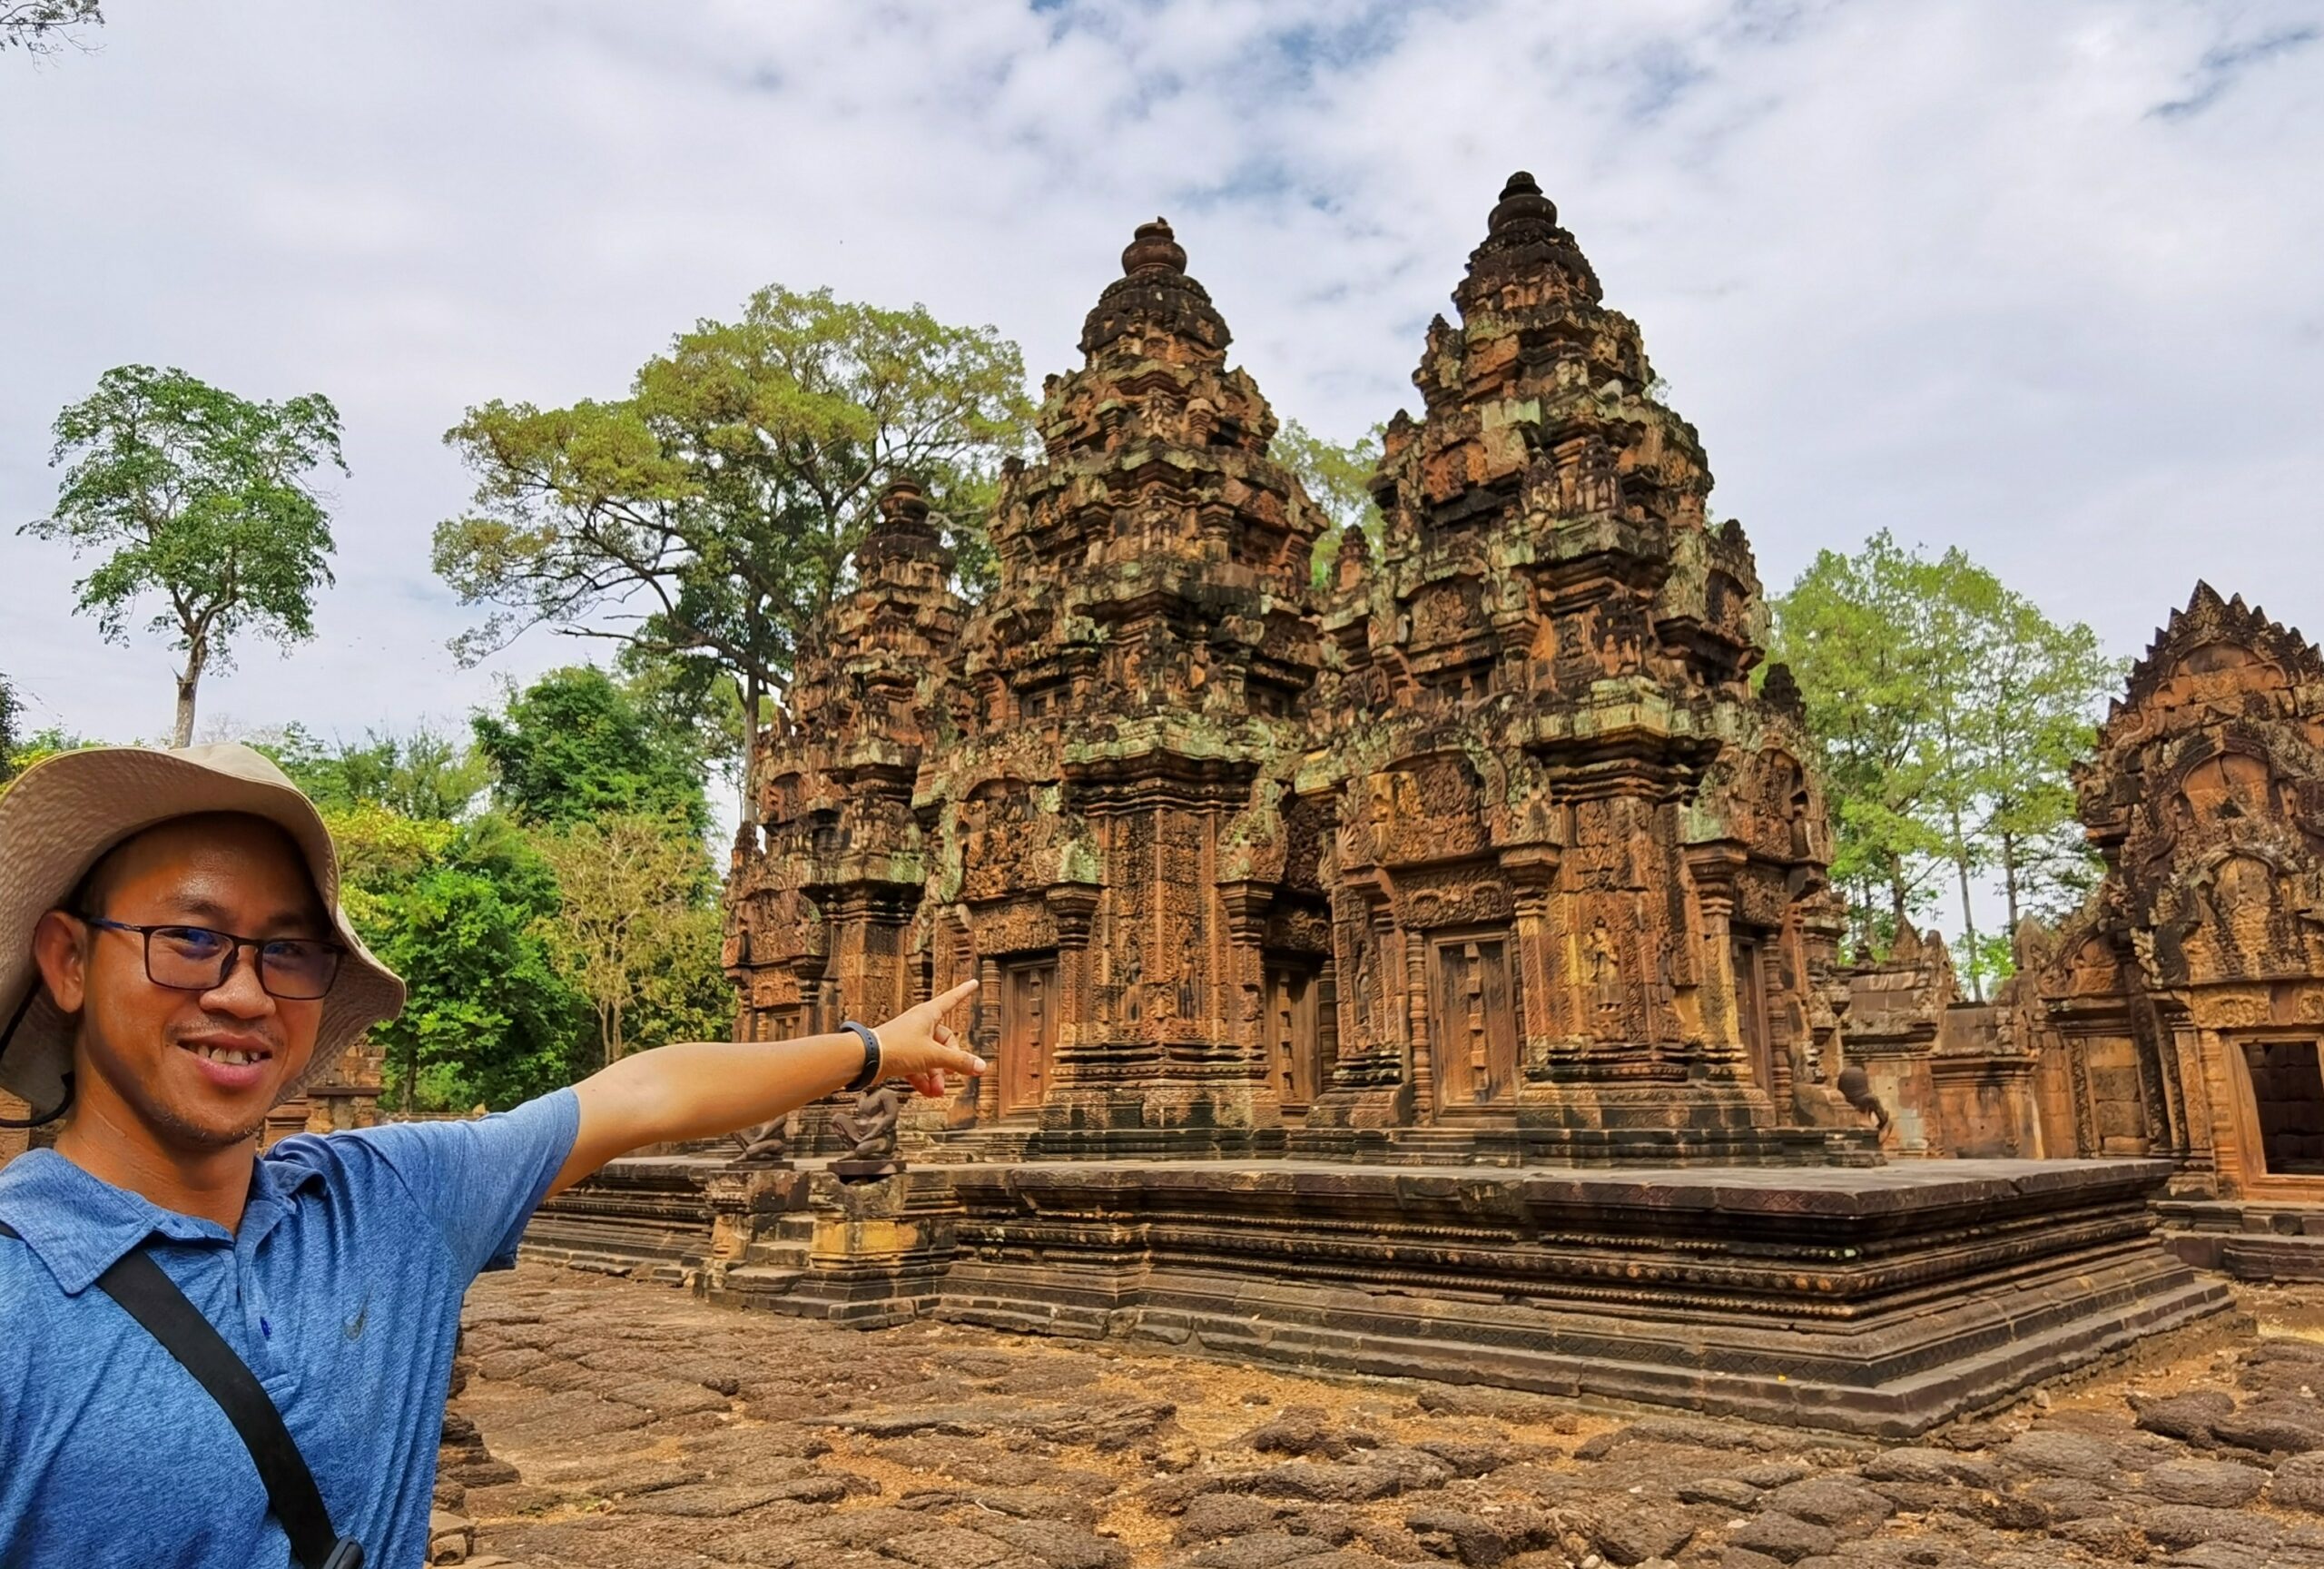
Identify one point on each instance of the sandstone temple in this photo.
(1430, 965)
(1488, 850)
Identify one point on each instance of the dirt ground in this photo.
(608, 1423)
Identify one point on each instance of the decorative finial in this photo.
(903, 504)
(1521, 198)
(1154, 247)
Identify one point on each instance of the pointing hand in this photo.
(917, 1045)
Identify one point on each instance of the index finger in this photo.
(952, 999)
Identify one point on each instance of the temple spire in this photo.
(1154, 307)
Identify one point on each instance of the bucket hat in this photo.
(62, 814)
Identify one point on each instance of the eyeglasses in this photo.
(197, 959)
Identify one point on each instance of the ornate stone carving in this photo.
(1492, 835)
(2180, 1011)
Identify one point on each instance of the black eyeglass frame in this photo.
(259, 945)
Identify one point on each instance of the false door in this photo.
(1295, 1041)
(1477, 1023)
(1027, 1033)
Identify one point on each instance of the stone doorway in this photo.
(1027, 1032)
(2288, 1088)
(1747, 956)
(1295, 1042)
(1477, 1025)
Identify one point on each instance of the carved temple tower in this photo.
(2180, 1011)
(1580, 903)
(1123, 722)
(820, 919)
(1491, 856)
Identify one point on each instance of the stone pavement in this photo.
(609, 1423)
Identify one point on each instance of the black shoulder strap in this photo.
(153, 1299)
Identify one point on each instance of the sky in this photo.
(2040, 281)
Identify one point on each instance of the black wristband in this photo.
(871, 1057)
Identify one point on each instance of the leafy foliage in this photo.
(1336, 478)
(1854, 631)
(44, 743)
(576, 745)
(460, 911)
(424, 775)
(199, 499)
(707, 518)
(42, 26)
(635, 930)
(1948, 711)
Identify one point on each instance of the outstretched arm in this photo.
(708, 1088)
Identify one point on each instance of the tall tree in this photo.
(577, 745)
(1854, 632)
(1949, 711)
(2043, 686)
(43, 27)
(201, 498)
(707, 518)
(633, 928)
(1337, 478)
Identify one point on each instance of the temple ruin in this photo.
(1433, 969)
(2179, 1013)
(1486, 851)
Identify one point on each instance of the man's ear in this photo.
(58, 951)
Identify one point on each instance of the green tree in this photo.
(42, 26)
(1856, 631)
(707, 519)
(8, 711)
(2044, 684)
(634, 930)
(461, 911)
(1949, 711)
(577, 745)
(425, 776)
(1336, 478)
(200, 498)
(46, 742)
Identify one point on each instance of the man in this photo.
(173, 963)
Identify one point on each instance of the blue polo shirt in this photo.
(341, 1290)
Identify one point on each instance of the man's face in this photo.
(198, 1070)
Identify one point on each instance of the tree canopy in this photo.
(458, 911)
(43, 27)
(201, 499)
(1947, 710)
(706, 520)
(424, 775)
(576, 745)
(1336, 478)
(545, 891)
(637, 931)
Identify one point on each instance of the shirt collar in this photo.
(79, 1225)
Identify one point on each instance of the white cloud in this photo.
(2038, 280)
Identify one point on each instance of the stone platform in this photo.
(646, 1216)
(2247, 1239)
(1881, 1301)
